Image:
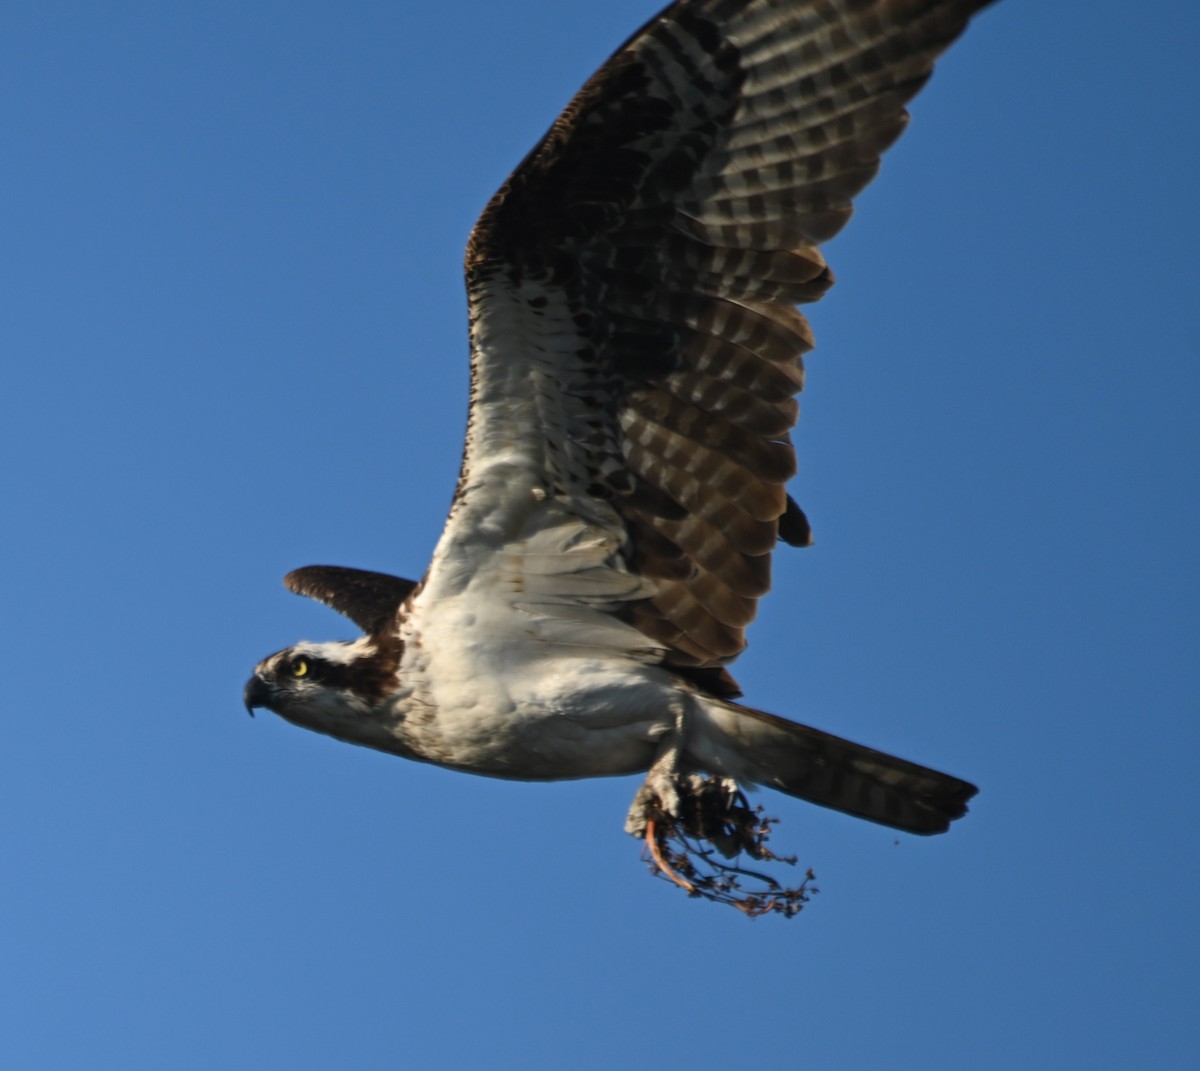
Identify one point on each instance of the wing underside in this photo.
(636, 350)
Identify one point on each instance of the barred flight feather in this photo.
(637, 276)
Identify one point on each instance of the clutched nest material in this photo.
(700, 848)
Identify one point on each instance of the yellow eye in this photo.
(299, 667)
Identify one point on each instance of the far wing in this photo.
(370, 600)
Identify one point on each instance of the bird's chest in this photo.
(498, 701)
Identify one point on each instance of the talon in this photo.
(660, 862)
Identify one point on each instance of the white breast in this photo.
(519, 661)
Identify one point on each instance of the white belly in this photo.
(486, 692)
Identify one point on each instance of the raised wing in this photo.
(635, 346)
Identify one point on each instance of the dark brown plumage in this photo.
(679, 199)
(370, 600)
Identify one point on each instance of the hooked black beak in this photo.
(257, 693)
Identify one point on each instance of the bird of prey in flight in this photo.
(635, 355)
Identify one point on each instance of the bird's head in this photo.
(339, 688)
(312, 682)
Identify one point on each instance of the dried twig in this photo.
(716, 819)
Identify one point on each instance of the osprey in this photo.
(635, 356)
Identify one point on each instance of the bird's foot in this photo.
(685, 821)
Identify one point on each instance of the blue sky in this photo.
(234, 342)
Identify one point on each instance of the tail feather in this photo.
(832, 772)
